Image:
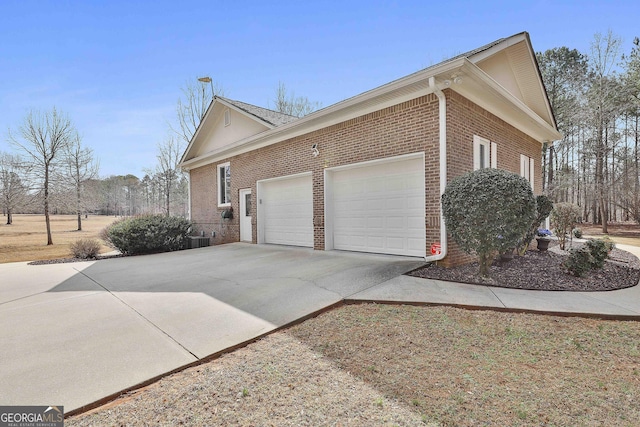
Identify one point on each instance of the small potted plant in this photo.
(543, 238)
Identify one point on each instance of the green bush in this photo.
(544, 205)
(148, 234)
(608, 243)
(590, 257)
(577, 233)
(599, 252)
(564, 217)
(487, 212)
(85, 248)
(579, 262)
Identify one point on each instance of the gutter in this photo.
(442, 109)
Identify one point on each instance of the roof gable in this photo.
(511, 62)
(245, 120)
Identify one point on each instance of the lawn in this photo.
(623, 233)
(26, 238)
(385, 365)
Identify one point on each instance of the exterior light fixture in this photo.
(314, 150)
(207, 79)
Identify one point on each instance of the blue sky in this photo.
(116, 67)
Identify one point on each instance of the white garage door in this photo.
(287, 211)
(380, 208)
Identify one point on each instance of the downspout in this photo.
(442, 109)
(189, 195)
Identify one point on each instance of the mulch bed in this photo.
(66, 260)
(543, 271)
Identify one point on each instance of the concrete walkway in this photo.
(73, 334)
(621, 304)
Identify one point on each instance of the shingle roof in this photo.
(274, 118)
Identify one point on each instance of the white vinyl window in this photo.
(227, 117)
(224, 185)
(527, 168)
(485, 153)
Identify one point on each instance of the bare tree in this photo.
(81, 166)
(192, 106)
(288, 103)
(14, 192)
(43, 137)
(167, 172)
(604, 55)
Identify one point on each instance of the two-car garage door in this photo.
(375, 207)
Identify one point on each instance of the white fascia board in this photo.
(478, 57)
(491, 96)
(407, 88)
(197, 132)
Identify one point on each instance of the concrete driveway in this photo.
(75, 333)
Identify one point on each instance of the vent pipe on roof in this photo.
(442, 112)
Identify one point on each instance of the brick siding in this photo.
(409, 127)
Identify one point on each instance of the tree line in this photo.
(595, 97)
(53, 172)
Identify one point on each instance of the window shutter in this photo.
(476, 154)
(531, 172)
(494, 155)
(524, 163)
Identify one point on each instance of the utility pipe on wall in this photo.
(442, 111)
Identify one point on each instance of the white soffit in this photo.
(482, 89)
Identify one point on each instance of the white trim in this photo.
(218, 184)
(477, 86)
(259, 211)
(377, 161)
(328, 190)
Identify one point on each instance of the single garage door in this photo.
(380, 208)
(286, 207)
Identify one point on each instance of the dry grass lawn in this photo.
(623, 233)
(26, 238)
(382, 365)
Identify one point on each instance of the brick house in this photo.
(366, 174)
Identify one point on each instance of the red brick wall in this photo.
(405, 128)
(466, 119)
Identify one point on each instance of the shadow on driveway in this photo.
(122, 321)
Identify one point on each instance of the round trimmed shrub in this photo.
(148, 234)
(487, 212)
(579, 261)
